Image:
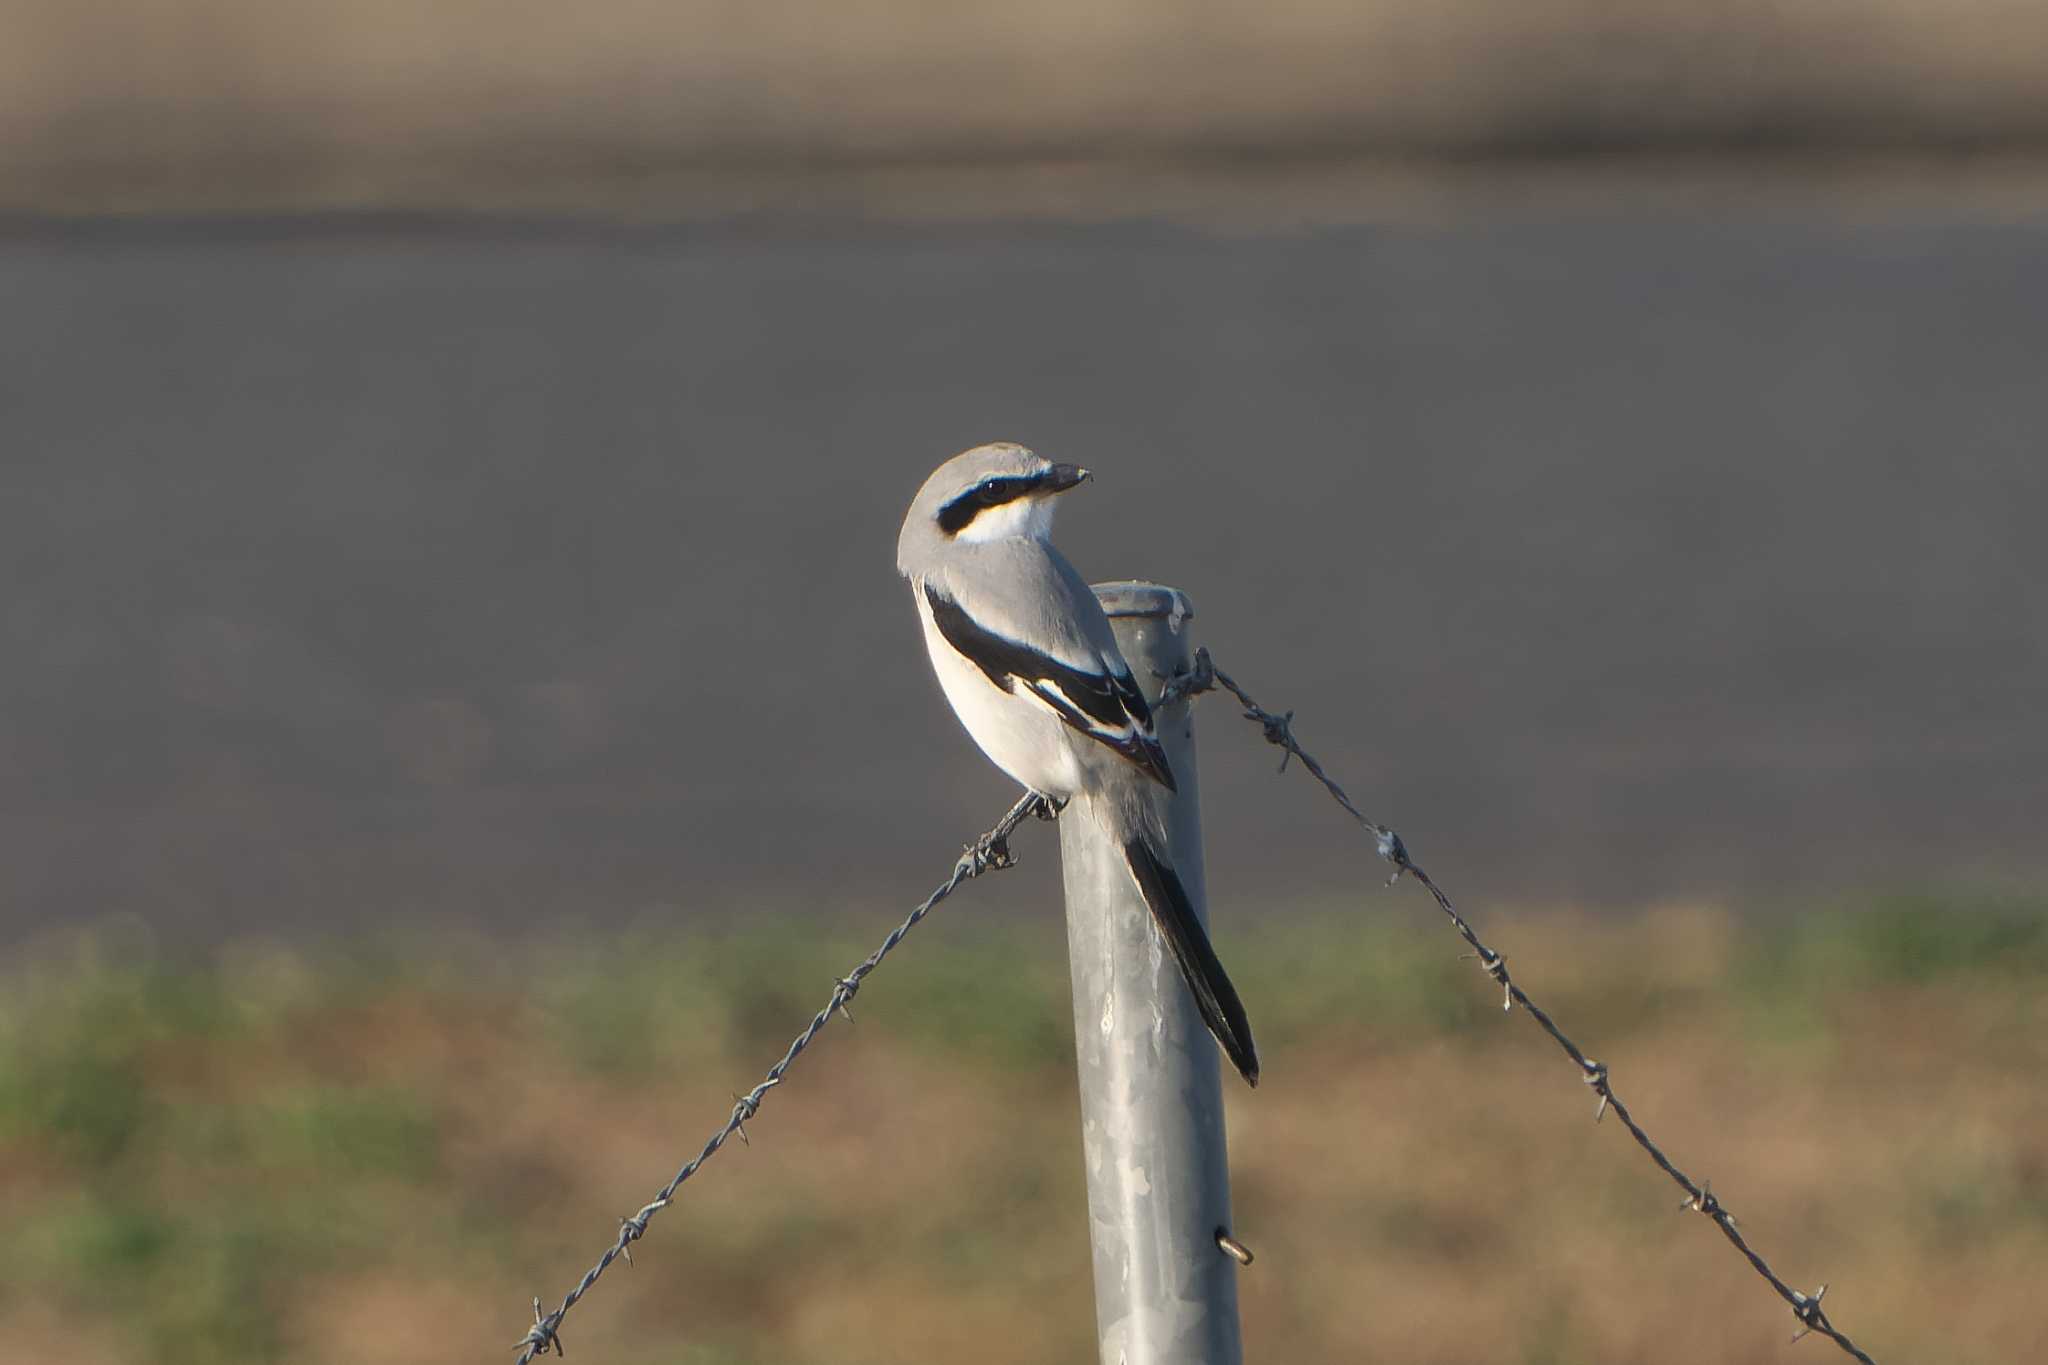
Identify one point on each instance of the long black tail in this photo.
(1214, 996)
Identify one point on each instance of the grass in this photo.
(274, 1154)
(615, 105)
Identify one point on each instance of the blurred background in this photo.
(462, 714)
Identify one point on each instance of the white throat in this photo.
(1028, 518)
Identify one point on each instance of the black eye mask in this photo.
(960, 513)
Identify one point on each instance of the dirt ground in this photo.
(280, 1154)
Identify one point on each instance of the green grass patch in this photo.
(352, 1132)
(1916, 939)
(1392, 977)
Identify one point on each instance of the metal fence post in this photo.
(1151, 1095)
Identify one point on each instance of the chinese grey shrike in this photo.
(1026, 657)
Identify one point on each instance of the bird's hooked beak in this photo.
(1061, 477)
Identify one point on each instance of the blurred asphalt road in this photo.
(356, 571)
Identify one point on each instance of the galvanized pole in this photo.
(1151, 1097)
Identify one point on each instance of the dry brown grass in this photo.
(212, 103)
(279, 1156)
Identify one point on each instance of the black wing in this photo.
(1106, 707)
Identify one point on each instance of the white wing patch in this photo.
(1049, 694)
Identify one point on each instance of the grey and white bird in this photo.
(1025, 655)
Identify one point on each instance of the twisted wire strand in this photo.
(1204, 676)
(989, 853)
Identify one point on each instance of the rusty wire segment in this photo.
(989, 853)
(1700, 1198)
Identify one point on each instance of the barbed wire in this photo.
(989, 853)
(1700, 1197)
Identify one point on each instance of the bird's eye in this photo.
(992, 492)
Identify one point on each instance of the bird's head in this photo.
(991, 492)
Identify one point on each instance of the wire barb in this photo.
(1391, 848)
(744, 1107)
(1278, 730)
(544, 1336)
(1495, 966)
(989, 853)
(634, 1228)
(1705, 1202)
(1189, 682)
(1808, 1311)
(1596, 1076)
